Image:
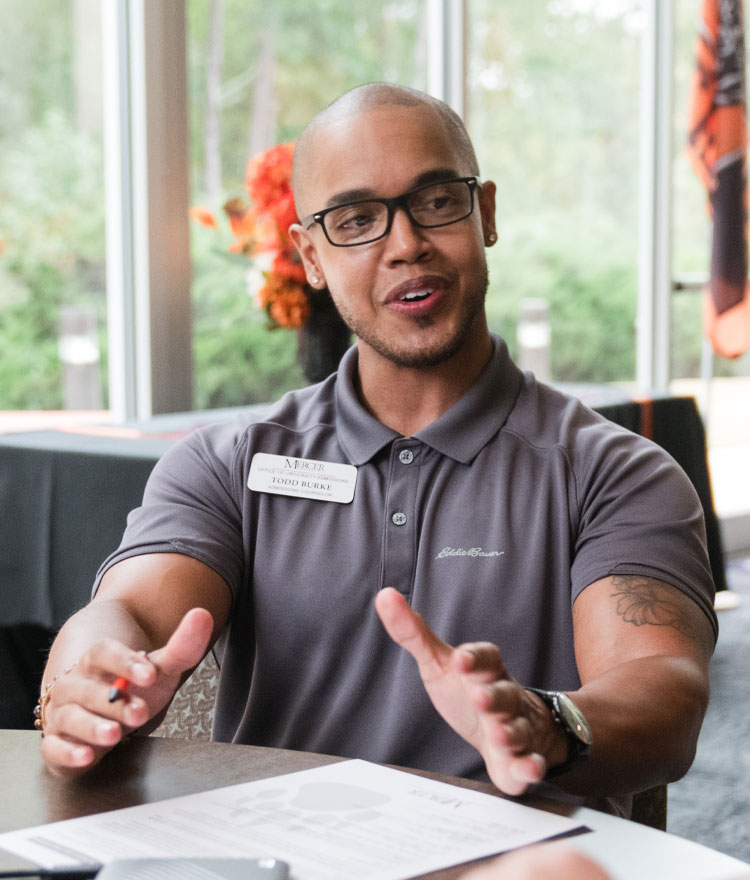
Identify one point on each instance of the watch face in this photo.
(574, 718)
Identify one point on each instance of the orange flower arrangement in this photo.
(261, 231)
(263, 228)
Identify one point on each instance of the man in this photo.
(478, 508)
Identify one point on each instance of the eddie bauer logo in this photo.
(472, 551)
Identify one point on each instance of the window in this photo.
(258, 72)
(52, 243)
(554, 96)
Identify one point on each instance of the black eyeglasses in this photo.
(430, 206)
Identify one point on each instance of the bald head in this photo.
(361, 99)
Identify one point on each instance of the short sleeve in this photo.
(190, 506)
(638, 514)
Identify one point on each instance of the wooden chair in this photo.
(191, 714)
(650, 807)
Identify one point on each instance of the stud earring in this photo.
(492, 237)
(314, 279)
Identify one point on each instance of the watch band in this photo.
(569, 718)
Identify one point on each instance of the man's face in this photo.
(383, 153)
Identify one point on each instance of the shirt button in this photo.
(406, 456)
(399, 519)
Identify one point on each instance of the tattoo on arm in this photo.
(645, 601)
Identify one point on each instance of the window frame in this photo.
(148, 243)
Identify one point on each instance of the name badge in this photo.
(302, 477)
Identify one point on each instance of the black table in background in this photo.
(65, 497)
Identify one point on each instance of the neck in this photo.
(408, 399)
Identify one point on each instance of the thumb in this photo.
(186, 645)
(409, 630)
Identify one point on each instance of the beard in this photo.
(428, 354)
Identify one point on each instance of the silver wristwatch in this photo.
(573, 724)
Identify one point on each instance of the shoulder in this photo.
(552, 420)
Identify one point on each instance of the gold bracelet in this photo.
(39, 719)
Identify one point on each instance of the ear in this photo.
(308, 252)
(486, 197)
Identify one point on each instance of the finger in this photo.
(109, 659)
(504, 698)
(78, 724)
(78, 697)
(517, 735)
(526, 770)
(481, 661)
(93, 694)
(409, 630)
(187, 644)
(513, 776)
(65, 757)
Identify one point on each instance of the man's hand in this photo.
(81, 725)
(471, 689)
(546, 861)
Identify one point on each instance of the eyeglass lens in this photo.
(437, 205)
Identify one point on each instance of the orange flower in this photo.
(289, 265)
(244, 227)
(268, 239)
(261, 228)
(269, 177)
(285, 301)
(284, 212)
(241, 219)
(202, 215)
(292, 309)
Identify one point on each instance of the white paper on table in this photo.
(343, 820)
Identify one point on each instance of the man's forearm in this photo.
(102, 618)
(645, 716)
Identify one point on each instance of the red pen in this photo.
(118, 689)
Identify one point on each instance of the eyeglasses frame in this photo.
(473, 182)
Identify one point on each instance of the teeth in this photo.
(414, 295)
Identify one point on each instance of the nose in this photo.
(405, 242)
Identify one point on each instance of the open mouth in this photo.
(415, 296)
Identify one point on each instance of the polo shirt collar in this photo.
(360, 435)
(460, 433)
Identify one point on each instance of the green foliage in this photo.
(237, 360)
(36, 51)
(52, 237)
(591, 290)
(554, 108)
(319, 50)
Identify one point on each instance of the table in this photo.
(65, 496)
(64, 499)
(147, 769)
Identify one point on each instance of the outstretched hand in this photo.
(544, 861)
(81, 724)
(472, 690)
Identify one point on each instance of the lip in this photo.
(435, 284)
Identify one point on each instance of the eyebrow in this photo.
(435, 175)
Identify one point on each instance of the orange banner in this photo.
(718, 151)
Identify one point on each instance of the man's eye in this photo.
(356, 218)
(438, 202)
(435, 202)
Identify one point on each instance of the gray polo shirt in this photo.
(490, 521)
